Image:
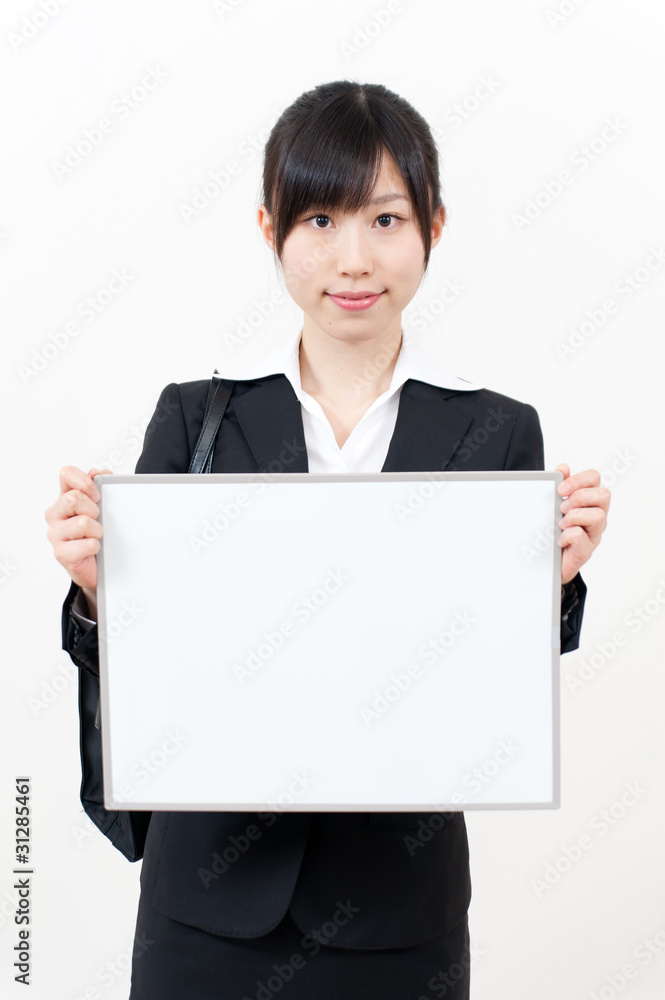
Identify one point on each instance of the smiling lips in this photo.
(355, 300)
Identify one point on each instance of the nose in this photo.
(353, 251)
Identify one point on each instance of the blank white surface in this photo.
(254, 659)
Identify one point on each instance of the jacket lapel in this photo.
(427, 432)
(428, 429)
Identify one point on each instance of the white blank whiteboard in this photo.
(330, 642)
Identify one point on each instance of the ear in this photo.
(265, 225)
(438, 223)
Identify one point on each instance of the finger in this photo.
(590, 518)
(588, 477)
(593, 496)
(73, 552)
(563, 468)
(73, 478)
(80, 526)
(69, 505)
(576, 539)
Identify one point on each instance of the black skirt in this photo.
(174, 961)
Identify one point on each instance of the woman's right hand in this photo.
(73, 528)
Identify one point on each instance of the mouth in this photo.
(355, 301)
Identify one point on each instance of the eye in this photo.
(321, 218)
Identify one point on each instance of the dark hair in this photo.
(326, 150)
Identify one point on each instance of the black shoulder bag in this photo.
(126, 829)
(216, 402)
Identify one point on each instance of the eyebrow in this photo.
(380, 199)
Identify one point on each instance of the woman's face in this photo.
(377, 249)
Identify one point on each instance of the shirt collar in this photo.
(412, 362)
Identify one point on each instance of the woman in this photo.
(332, 904)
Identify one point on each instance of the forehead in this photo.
(389, 181)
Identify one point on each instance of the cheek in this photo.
(300, 262)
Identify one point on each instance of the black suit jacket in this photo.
(402, 878)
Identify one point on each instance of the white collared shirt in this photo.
(366, 448)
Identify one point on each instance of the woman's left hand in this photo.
(584, 509)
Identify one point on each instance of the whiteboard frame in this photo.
(113, 799)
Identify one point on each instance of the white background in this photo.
(553, 87)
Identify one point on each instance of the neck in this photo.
(349, 371)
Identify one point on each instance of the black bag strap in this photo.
(218, 397)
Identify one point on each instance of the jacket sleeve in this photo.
(165, 449)
(525, 451)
